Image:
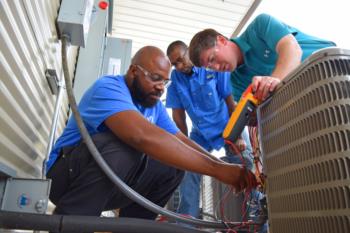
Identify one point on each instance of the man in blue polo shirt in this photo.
(136, 137)
(263, 54)
(206, 97)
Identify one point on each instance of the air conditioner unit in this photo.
(304, 132)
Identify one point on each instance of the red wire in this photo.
(237, 152)
(235, 149)
(255, 228)
(223, 201)
(253, 141)
(252, 137)
(244, 206)
(231, 231)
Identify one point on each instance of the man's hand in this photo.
(263, 86)
(237, 176)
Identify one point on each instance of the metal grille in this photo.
(213, 193)
(305, 140)
(207, 198)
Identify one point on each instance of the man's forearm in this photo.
(284, 66)
(179, 117)
(230, 103)
(289, 57)
(197, 147)
(183, 127)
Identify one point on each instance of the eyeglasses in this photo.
(212, 58)
(155, 78)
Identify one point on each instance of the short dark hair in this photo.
(203, 40)
(175, 44)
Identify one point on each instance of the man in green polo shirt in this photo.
(263, 54)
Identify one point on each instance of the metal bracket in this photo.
(6, 171)
(52, 80)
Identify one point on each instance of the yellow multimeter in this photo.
(241, 115)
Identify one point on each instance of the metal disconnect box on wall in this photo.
(102, 56)
(74, 20)
(91, 56)
(117, 56)
(304, 132)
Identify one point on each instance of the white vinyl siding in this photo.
(28, 46)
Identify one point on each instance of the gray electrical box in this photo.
(102, 56)
(74, 20)
(24, 195)
(117, 56)
(89, 64)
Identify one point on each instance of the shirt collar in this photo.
(195, 70)
(244, 46)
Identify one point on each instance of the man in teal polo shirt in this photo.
(265, 53)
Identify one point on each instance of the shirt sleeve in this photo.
(172, 97)
(164, 121)
(224, 84)
(105, 99)
(270, 29)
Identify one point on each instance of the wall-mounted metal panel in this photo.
(28, 46)
(117, 56)
(89, 64)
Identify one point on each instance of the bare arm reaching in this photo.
(137, 132)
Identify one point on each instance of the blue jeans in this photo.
(246, 154)
(255, 210)
(190, 185)
(189, 194)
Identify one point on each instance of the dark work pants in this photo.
(79, 186)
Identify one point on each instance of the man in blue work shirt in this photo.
(265, 53)
(206, 97)
(138, 140)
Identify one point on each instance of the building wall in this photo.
(28, 47)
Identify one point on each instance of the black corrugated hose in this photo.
(79, 224)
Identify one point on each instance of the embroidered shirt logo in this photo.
(210, 76)
(267, 53)
(150, 119)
